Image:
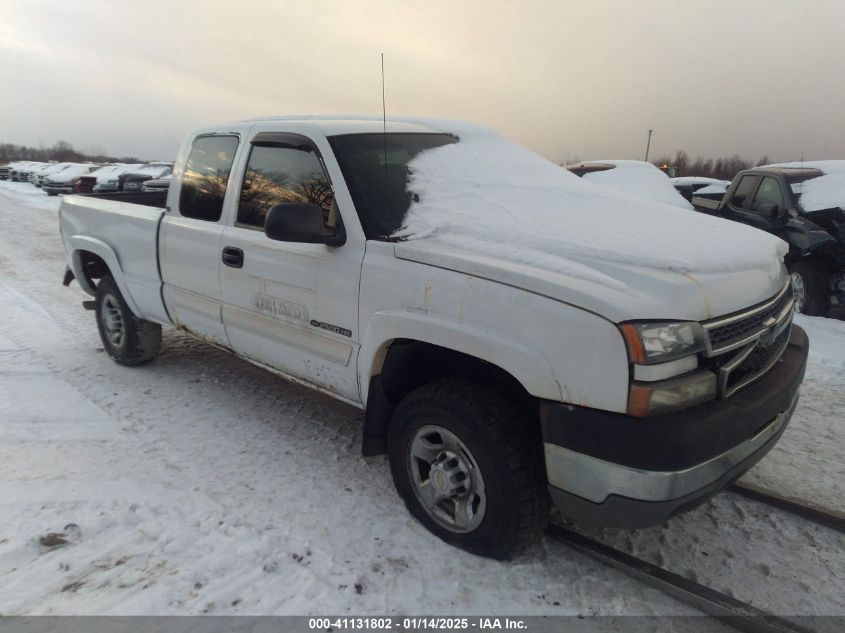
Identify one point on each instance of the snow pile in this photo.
(638, 178)
(824, 192)
(827, 339)
(488, 195)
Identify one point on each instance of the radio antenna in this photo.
(384, 129)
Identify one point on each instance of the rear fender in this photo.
(80, 243)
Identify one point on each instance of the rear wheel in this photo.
(127, 339)
(468, 462)
(809, 282)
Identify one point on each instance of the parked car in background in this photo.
(635, 177)
(13, 169)
(157, 184)
(688, 185)
(23, 172)
(103, 179)
(133, 180)
(20, 173)
(62, 180)
(39, 176)
(111, 182)
(6, 170)
(802, 203)
(37, 172)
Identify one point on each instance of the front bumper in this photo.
(58, 188)
(613, 470)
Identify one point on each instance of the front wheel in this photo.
(468, 462)
(127, 339)
(810, 284)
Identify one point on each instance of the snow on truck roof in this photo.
(358, 124)
(820, 184)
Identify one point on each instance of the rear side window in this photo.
(277, 174)
(206, 176)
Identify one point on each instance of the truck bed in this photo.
(145, 198)
(122, 230)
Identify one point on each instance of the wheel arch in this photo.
(403, 351)
(90, 259)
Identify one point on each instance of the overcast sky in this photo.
(566, 78)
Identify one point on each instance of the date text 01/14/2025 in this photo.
(416, 623)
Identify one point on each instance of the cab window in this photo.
(276, 174)
(206, 176)
(768, 192)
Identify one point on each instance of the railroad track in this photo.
(736, 613)
(828, 518)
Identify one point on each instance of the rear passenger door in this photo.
(290, 305)
(189, 243)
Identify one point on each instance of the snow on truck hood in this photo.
(494, 207)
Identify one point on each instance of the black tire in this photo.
(139, 340)
(504, 441)
(814, 279)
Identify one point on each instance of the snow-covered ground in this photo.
(201, 484)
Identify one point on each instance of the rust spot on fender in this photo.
(426, 292)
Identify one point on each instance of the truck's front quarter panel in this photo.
(556, 351)
(606, 463)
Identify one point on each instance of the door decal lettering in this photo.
(278, 308)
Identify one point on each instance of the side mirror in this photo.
(301, 222)
(770, 210)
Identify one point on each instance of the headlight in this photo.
(664, 367)
(658, 342)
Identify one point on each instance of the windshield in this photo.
(377, 178)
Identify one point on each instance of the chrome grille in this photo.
(734, 330)
(745, 345)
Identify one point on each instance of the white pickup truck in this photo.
(515, 336)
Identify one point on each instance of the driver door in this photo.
(292, 306)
